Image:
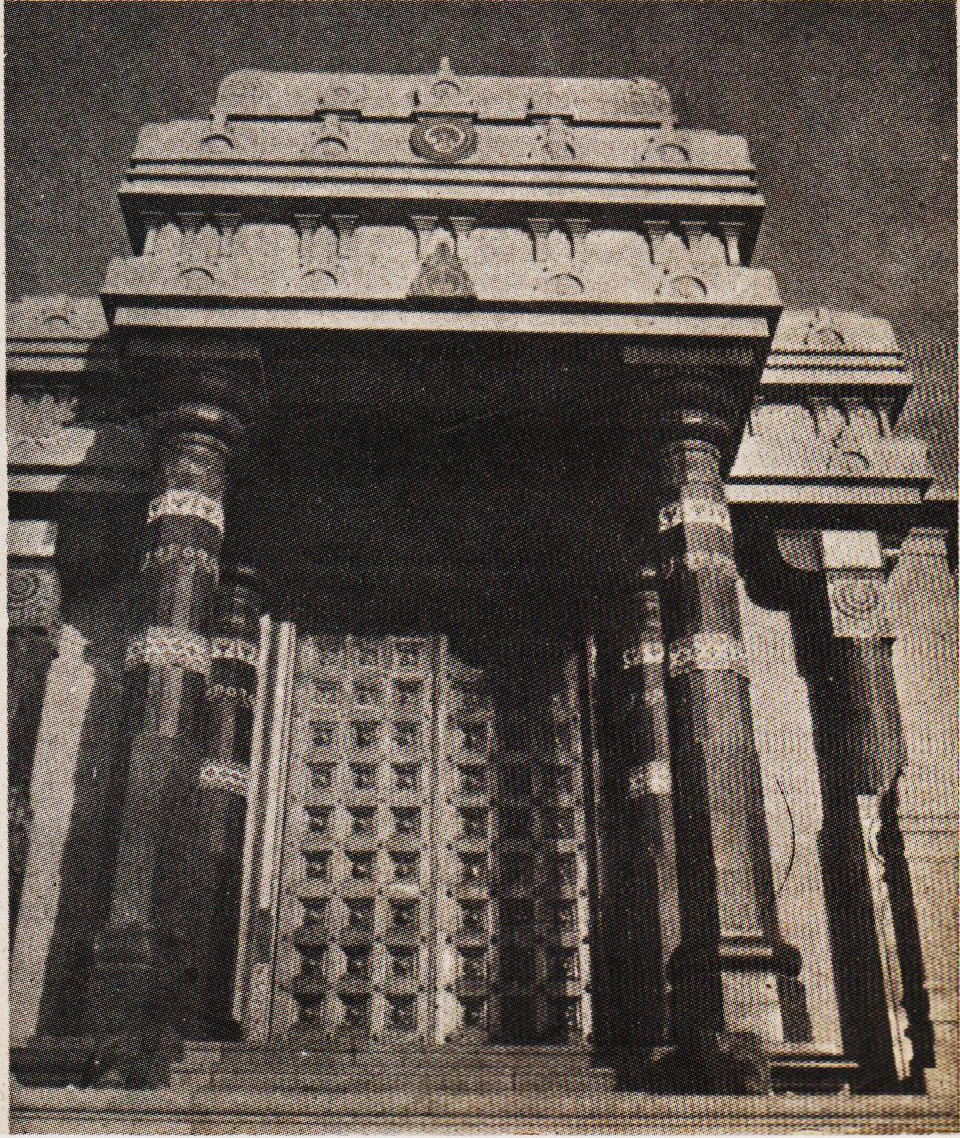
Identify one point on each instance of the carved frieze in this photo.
(690, 511)
(186, 504)
(346, 256)
(224, 776)
(194, 556)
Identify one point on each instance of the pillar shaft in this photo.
(725, 970)
(213, 840)
(640, 909)
(845, 653)
(33, 611)
(137, 974)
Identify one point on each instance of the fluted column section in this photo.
(213, 839)
(137, 982)
(726, 992)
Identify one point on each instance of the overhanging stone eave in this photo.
(885, 383)
(270, 197)
(754, 324)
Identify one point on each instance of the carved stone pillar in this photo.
(844, 651)
(137, 987)
(213, 838)
(727, 969)
(33, 611)
(640, 921)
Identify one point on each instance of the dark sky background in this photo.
(849, 109)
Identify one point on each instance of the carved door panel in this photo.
(543, 956)
(433, 876)
(355, 909)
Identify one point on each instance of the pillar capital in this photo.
(695, 394)
(203, 382)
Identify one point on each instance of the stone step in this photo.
(443, 1082)
(442, 1070)
(533, 1064)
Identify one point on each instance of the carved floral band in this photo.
(160, 645)
(233, 648)
(646, 652)
(224, 776)
(187, 554)
(696, 559)
(695, 512)
(707, 652)
(231, 694)
(186, 504)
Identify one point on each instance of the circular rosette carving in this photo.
(857, 599)
(443, 139)
(22, 586)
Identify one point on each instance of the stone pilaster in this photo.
(731, 961)
(137, 983)
(213, 839)
(33, 612)
(841, 624)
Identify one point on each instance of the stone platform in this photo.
(208, 1111)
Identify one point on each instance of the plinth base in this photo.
(84, 1061)
(548, 1111)
(738, 1065)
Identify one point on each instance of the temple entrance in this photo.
(427, 868)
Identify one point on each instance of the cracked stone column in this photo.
(728, 969)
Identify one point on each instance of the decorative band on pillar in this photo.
(233, 675)
(695, 560)
(707, 652)
(171, 553)
(161, 645)
(225, 776)
(186, 504)
(234, 648)
(647, 653)
(690, 511)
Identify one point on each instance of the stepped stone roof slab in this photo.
(491, 98)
